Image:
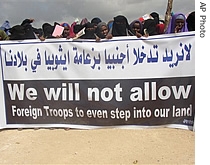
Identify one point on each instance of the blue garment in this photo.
(171, 25)
(5, 26)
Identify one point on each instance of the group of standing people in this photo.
(147, 25)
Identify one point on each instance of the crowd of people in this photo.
(147, 25)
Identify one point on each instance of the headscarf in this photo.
(132, 24)
(155, 15)
(89, 34)
(66, 25)
(84, 21)
(122, 29)
(150, 26)
(48, 30)
(96, 20)
(191, 21)
(98, 30)
(159, 26)
(72, 34)
(171, 25)
(77, 28)
(5, 26)
(17, 32)
(29, 30)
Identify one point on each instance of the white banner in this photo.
(125, 81)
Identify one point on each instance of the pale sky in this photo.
(15, 11)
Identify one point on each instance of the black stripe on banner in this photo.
(146, 102)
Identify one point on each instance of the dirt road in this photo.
(98, 146)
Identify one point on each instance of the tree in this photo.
(168, 14)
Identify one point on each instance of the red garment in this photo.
(71, 32)
(160, 28)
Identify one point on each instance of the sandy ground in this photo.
(98, 146)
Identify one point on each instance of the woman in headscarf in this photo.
(191, 21)
(177, 24)
(47, 30)
(120, 27)
(30, 31)
(67, 32)
(96, 21)
(24, 31)
(17, 32)
(136, 28)
(149, 27)
(77, 28)
(101, 31)
(89, 31)
(159, 25)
